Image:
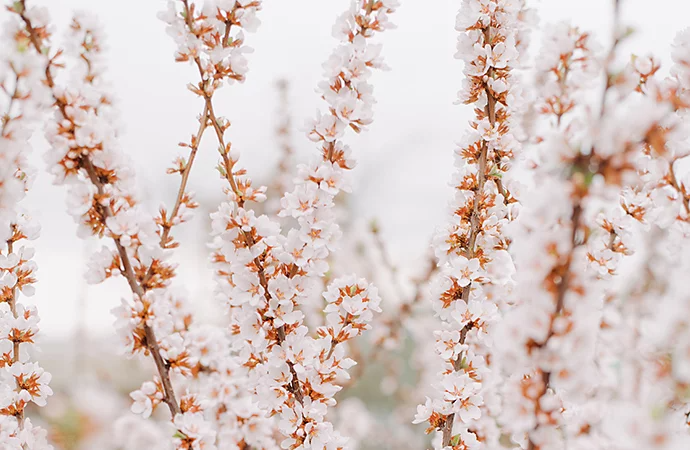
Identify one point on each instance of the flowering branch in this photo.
(472, 250)
(266, 277)
(103, 211)
(568, 251)
(558, 291)
(21, 382)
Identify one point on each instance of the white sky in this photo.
(405, 159)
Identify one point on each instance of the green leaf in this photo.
(455, 440)
(658, 412)
(586, 175)
(463, 363)
(179, 435)
(496, 173)
(629, 31)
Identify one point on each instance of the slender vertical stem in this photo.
(490, 111)
(15, 345)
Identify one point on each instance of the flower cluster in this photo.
(552, 218)
(212, 39)
(86, 157)
(24, 101)
(476, 268)
(266, 277)
(645, 319)
(158, 322)
(558, 308)
(569, 240)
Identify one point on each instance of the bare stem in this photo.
(167, 226)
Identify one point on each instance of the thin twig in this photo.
(15, 345)
(196, 141)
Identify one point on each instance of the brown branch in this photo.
(167, 220)
(12, 300)
(6, 119)
(228, 166)
(151, 341)
(490, 111)
(673, 181)
(196, 141)
(576, 219)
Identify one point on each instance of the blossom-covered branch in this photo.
(472, 250)
(24, 102)
(567, 253)
(558, 306)
(266, 277)
(86, 157)
(204, 38)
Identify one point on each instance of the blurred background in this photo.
(405, 160)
